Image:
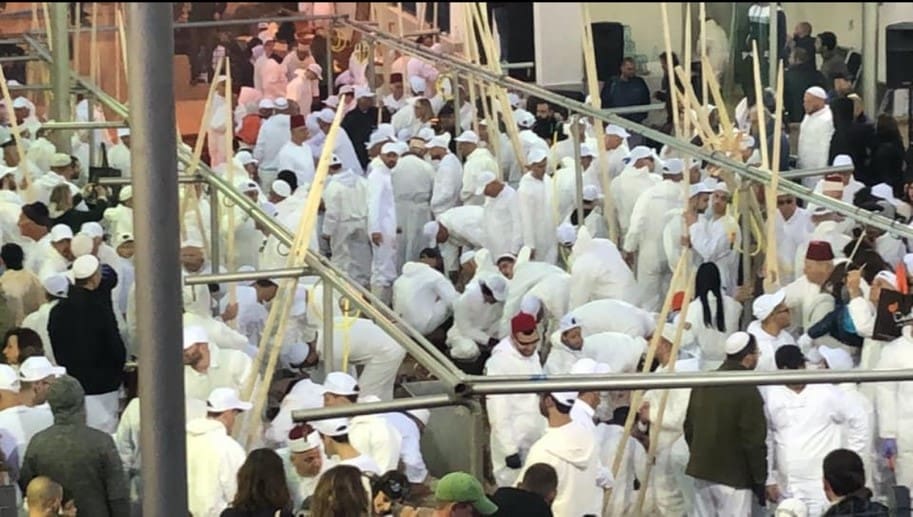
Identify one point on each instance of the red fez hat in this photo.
(819, 250)
(396, 78)
(296, 121)
(677, 300)
(522, 323)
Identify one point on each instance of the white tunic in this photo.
(413, 181)
(274, 133)
(598, 271)
(815, 134)
(768, 345)
(227, 369)
(448, 180)
(503, 223)
(479, 161)
(374, 436)
(213, 460)
(627, 188)
(298, 159)
(423, 297)
(537, 217)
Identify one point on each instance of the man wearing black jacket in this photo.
(86, 340)
(361, 122)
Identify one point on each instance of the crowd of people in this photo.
(476, 241)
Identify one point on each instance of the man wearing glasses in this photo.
(793, 227)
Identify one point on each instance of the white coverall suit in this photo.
(894, 405)
(474, 323)
(346, 222)
(382, 220)
(598, 271)
(515, 419)
(423, 297)
(538, 217)
(413, 182)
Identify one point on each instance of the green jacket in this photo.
(725, 428)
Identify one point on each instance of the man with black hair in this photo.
(726, 431)
(532, 497)
(833, 60)
(844, 485)
(799, 77)
(627, 89)
(804, 424)
(571, 449)
(548, 123)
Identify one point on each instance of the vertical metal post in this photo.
(93, 142)
(372, 77)
(329, 70)
(161, 376)
(747, 278)
(773, 44)
(578, 167)
(214, 235)
(870, 57)
(329, 324)
(477, 441)
(457, 103)
(60, 70)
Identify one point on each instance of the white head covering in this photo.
(764, 305)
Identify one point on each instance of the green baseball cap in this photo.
(460, 487)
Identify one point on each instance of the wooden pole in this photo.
(77, 43)
(296, 257)
(686, 124)
(229, 163)
(772, 276)
(669, 67)
(589, 61)
(728, 136)
(17, 137)
(93, 47)
(47, 25)
(122, 34)
(656, 427)
(704, 71)
(651, 352)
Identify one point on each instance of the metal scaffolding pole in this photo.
(242, 276)
(83, 125)
(183, 178)
(158, 269)
(716, 158)
(870, 57)
(214, 23)
(503, 385)
(578, 168)
(773, 50)
(215, 256)
(371, 408)
(821, 171)
(60, 70)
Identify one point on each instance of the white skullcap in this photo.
(404, 134)
(483, 180)
(837, 358)
(764, 305)
(536, 155)
(248, 186)
(122, 238)
(587, 366)
(377, 138)
(391, 147)
(467, 257)
(326, 115)
(673, 166)
(125, 194)
(736, 343)
(331, 101)
(720, 186)
(524, 118)
(92, 229)
(746, 142)
(567, 234)
(123, 131)
(531, 304)
(586, 151)
(442, 141)
(843, 160)
(294, 354)
(817, 91)
(60, 160)
(417, 84)
(700, 188)
(281, 103)
(20, 103)
(884, 191)
(56, 285)
(792, 507)
(266, 104)
(425, 133)
(195, 334)
(469, 137)
(498, 286)
(638, 153)
(61, 232)
(335, 160)
(887, 276)
(617, 131)
(363, 92)
(430, 231)
(568, 322)
(281, 188)
(81, 245)
(514, 100)
(85, 266)
(590, 193)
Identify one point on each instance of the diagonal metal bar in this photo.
(265, 274)
(715, 157)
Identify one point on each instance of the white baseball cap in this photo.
(567, 234)
(498, 286)
(266, 104)
(391, 147)
(9, 381)
(467, 257)
(530, 304)
(484, 179)
(590, 193)
(244, 157)
(524, 118)
(92, 229)
(566, 398)
(618, 131)
(417, 84)
(56, 285)
(248, 186)
(61, 232)
(842, 160)
(700, 188)
(226, 399)
(326, 115)
(638, 153)
(587, 366)
(195, 334)
(340, 383)
(305, 443)
(442, 141)
(60, 160)
(585, 150)
(673, 166)
(430, 231)
(123, 131)
(363, 92)
(85, 266)
(122, 238)
(536, 155)
(332, 426)
(37, 368)
(125, 194)
(736, 343)
(81, 245)
(316, 69)
(764, 305)
(468, 136)
(568, 322)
